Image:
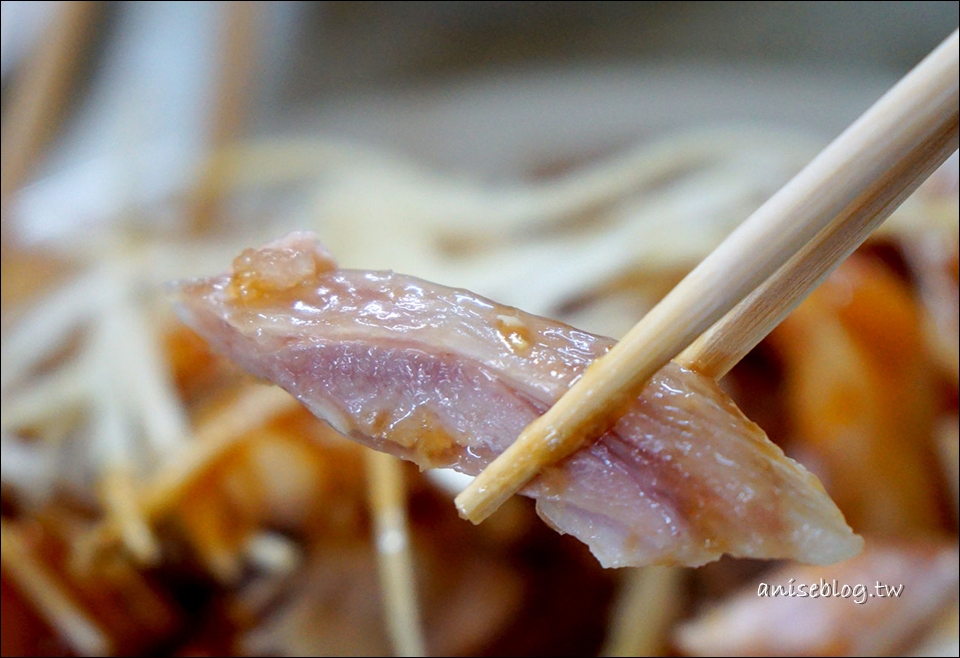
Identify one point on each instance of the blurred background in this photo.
(490, 89)
(573, 159)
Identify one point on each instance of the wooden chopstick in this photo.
(722, 346)
(866, 171)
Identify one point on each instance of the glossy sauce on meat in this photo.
(444, 377)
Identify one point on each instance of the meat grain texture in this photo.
(445, 378)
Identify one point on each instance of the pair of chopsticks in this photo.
(761, 272)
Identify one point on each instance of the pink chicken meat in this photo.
(446, 378)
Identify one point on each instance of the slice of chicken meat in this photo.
(445, 378)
